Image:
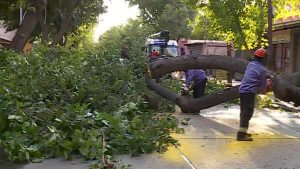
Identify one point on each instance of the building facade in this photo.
(286, 45)
(6, 36)
(202, 47)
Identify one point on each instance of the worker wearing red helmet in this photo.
(254, 82)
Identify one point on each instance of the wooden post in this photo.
(271, 57)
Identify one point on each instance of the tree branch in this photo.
(285, 87)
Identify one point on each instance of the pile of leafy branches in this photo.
(62, 102)
(264, 101)
(214, 86)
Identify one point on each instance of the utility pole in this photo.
(271, 57)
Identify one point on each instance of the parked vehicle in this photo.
(158, 46)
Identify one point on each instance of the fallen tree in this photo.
(285, 87)
(293, 78)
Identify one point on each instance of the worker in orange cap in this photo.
(254, 82)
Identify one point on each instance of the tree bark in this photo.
(168, 65)
(65, 23)
(26, 28)
(287, 88)
(189, 104)
(24, 31)
(43, 23)
(293, 78)
(270, 30)
(284, 87)
(283, 90)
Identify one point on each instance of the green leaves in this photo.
(233, 17)
(62, 102)
(14, 117)
(286, 8)
(83, 14)
(242, 23)
(171, 15)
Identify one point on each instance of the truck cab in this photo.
(159, 45)
(158, 48)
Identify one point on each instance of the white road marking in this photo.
(186, 159)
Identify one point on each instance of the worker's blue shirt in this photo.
(255, 78)
(196, 76)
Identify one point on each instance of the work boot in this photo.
(243, 136)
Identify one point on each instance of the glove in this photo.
(269, 85)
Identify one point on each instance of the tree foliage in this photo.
(176, 20)
(284, 9)
(55, 18)
(130, 37)
(170, 15)
(10, 13)
(65, 101)
(241, 22)
(81, 99)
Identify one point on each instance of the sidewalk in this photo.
(209, 143)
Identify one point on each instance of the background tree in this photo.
(32, 8)
(242, 22)
(176, 20)
(201, 27)
(132, 36)
(172, 15)
(285, 8)
(82, 37)
(10, 13)
(49, 19)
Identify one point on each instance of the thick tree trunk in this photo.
(293, 78)
(26, 28)
(65, 23)
(188, 104)
(168, 65)
(62, 30)
(287, 88)
(270, 30)
(43, 24)
(24, 31)
(282, 88)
